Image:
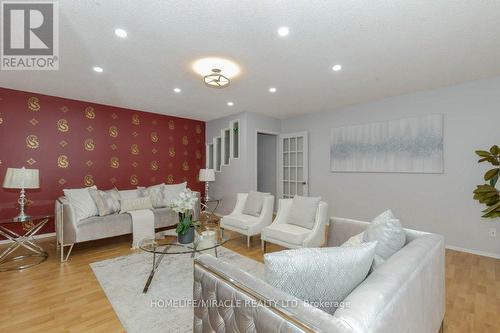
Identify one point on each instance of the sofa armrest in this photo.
(317, 236)
(341, 229)
(65, 221)
(244, 301)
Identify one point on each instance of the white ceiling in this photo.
(386, 48)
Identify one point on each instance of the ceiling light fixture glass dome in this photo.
(216, 79)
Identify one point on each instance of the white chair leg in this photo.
(248, 241)
(65, 258)
(263, 246)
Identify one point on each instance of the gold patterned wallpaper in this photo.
(76, 144)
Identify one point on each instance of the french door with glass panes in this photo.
(293, 165)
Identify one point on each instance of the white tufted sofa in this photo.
(405, 294)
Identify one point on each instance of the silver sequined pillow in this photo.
(322, 277)
(107, 202)
(156, 193)
(389, 234)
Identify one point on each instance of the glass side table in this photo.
(30, 227)
(210, 212)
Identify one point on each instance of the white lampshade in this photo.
(207, 175)
(21, 178)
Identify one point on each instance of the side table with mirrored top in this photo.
(30, 227)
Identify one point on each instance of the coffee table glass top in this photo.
(30, 219)
(206, 239)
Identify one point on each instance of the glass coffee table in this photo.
(206, 238)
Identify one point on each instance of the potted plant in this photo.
(487, 193)
(184, 205)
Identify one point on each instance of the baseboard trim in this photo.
(50, 234)
(476, 252)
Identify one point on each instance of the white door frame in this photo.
(305, 149)
(277, 135)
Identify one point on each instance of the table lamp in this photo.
(21, 179)
(207, 175)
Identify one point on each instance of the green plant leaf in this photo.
(495, 150)
(492, 208)
(483, 153)
(490, 174)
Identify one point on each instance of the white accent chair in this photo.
(247, 224)
(292, 236)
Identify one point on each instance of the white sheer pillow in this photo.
(254, 203)
(128, 205)
(157, 194)
(389, 234)
(354, 240)
(322, 277)
(81, 202)
(303, 211)
(172, 191)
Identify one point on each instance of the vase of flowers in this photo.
(184, 205)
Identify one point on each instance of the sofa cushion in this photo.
(303, 211)
(82, 203)
(241, 221)
(354, 240)
(128, 205)
(107, 202)
(389, 234)
(171, 192)
(321, 276)
(288, 233)
(156, 193)
(253, 203)
(129, 194)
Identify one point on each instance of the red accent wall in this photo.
(76, 144)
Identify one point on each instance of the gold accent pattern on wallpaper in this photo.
(32, 141)
(154, 137)
(62, 125)
(136, 120)
(115, 162)
(34, 104)
(89, 145)
(63, 161)
(134, 180)
(88, 180)
(134, 149)
(89, 112)
(113, 131)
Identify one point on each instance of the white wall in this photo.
(241, 174)
(440, 203)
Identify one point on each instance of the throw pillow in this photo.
(389, 234)
(254, 203)
(322, 277)
(107, 202)
(171, 192)
(303, 211)
(354, 240)
(81, 202)
(128, 205)
(156, 193)
(129, 194)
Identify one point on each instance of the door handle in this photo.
(304, 183)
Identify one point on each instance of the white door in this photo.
(293, 177)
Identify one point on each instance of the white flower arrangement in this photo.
(184, 205)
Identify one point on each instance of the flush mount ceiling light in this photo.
(121, 33)
(272, 90)
(216, 72)
(177, 90)
(283, 31)
(98, 69)
(337, 68)
(230, 103)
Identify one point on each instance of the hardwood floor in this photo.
(54, 297)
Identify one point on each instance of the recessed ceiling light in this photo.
(177, 90)
(337, 68)
(205, 66)
(120, 33)
(230, 103)
(272, 90)
(98, 69)
(283, 31)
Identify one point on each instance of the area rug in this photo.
(165, 308)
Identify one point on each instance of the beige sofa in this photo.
(405, 294)
(69, 231)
